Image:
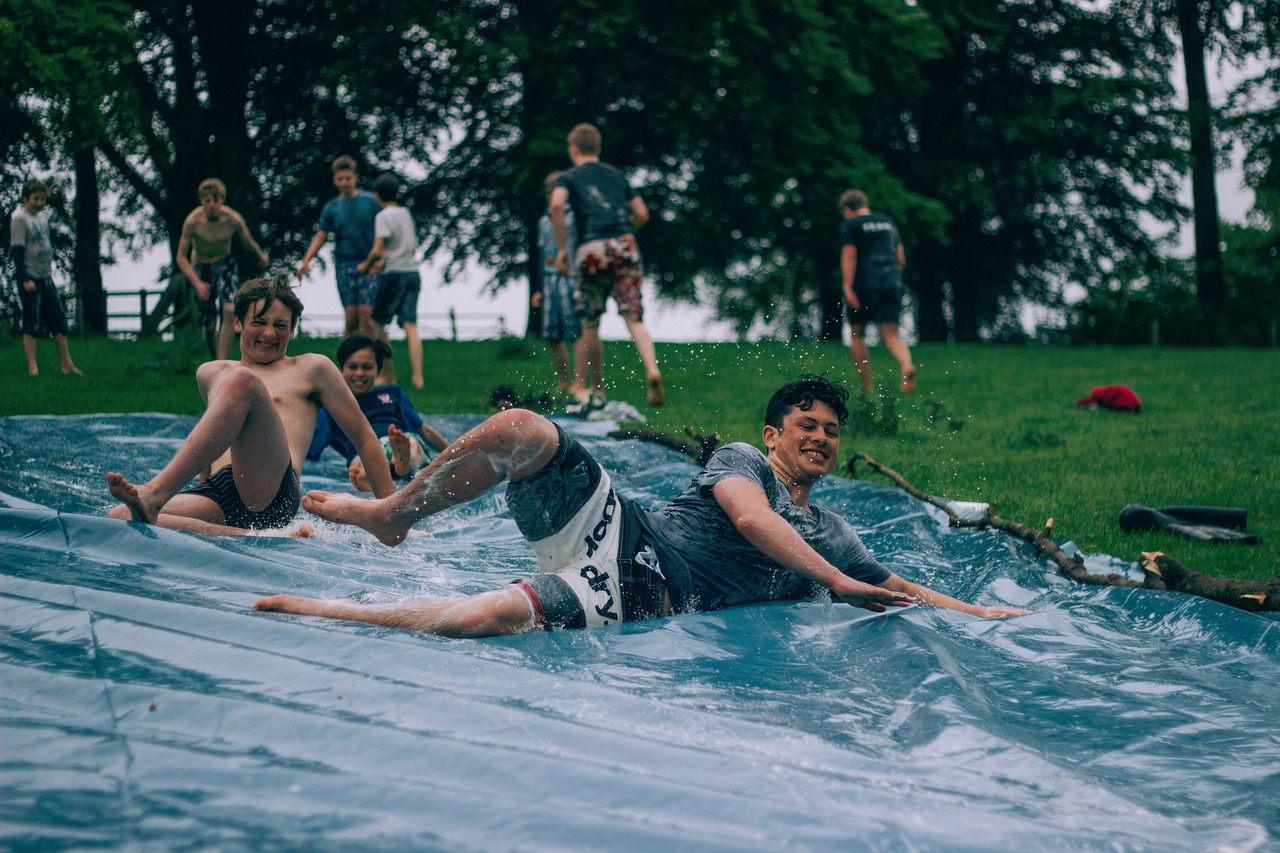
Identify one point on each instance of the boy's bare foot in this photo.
(33, 371)
(401, 459)
(908, 381)
(418, 381)
(359, 480)
(657, 394)
(132, 498)
(370, 515)
(69, 369)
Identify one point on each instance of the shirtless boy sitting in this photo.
(204, 256)
(259, 418)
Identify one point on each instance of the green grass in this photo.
(988, 423)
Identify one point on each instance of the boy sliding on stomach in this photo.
(260, 415)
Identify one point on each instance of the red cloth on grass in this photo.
(1119, 397)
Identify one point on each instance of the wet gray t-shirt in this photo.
(710, 565)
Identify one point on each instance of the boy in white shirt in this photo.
(394, 256)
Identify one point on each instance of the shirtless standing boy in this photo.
(259, 418)
(204, 256)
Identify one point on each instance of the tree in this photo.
(1047, 134)
(57, 60)
(740, 122)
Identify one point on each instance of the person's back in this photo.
(600, 197)
(876, 238)
(396, 223)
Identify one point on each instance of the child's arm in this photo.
(376, 256)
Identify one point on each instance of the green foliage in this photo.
(1206, 435)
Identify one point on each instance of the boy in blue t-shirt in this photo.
(398, 426)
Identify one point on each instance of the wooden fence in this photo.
(138, 306)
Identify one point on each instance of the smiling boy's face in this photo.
(36, 201)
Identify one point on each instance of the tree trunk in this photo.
(1211, 287)
(86, 267)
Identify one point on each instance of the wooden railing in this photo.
(451, 325)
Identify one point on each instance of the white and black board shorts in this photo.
(597, 568)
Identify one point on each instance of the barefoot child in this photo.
(260, 415)
(403, 435)
(32, 254)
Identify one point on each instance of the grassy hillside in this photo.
(988, 423)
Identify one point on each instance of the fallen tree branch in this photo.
(1160, 571)
(699, 450)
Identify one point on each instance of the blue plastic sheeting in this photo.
(145, 705)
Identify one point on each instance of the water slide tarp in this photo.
(144, 706)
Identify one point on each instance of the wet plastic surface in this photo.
(144, 705)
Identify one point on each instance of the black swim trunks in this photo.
(221, 489)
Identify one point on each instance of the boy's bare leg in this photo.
(351, 320)
(414, 344)
(64, 354)
(560, 361)
(861, 355)
(588, 361)
(901, 354)
(510, 445)
(29, 350)
(242, 417)
(649, 358)
(501, 611)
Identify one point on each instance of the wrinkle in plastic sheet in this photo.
(144, 704)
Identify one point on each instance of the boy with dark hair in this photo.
(400, 429)
(394, 258)
(259, 418)
(743, 532)
(205, 258)
(607, 211)
(32, 254)
(349, 218)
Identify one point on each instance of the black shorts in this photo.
(221, 489)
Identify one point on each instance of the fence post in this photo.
(142, 309)
(453, 323)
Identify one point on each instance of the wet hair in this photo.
(387, 186)
(352, 344)
(32, 186)
(587, 138)
(213, 187)
(345, 164)
(853, 199)
(270, 288)
(802, 394)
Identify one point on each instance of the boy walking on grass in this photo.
(607, 263)
(554, 294)
(394, 257)
(205, 258)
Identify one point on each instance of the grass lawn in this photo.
(987, 423)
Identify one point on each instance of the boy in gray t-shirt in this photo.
(394, 257)
(743, 533)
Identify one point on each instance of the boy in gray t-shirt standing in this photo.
(32, 254)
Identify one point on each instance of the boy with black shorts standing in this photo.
(871, 261)
(32, 253)
(394, 257)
